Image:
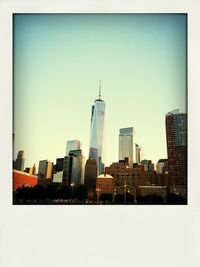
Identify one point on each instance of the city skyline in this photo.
(58, 61)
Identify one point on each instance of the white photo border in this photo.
(98, 235)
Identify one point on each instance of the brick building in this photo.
(105, 183)
(153, 190)
(176, 135)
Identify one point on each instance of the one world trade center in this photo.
(97, 131)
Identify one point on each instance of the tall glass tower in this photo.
(97, 129)
(127, 144)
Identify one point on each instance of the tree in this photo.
(64, 192)
(39, 192)
(25, 194)
(152, 199)
(51, 191)
(140, 199)
(174, 199)
(129, 198)
(119, 199)
(106, 197)
(81, 192)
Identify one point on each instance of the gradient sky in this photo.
(58, 62)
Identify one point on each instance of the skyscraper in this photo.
(127, 144)
(73, 171)
(176, 134)
(73, 145)
(19, 162)
(90, 174)
(162, 166)
(138, 153)
(97, 131)
(67, 169)
(77, 175)
(45, 169)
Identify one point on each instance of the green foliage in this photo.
(150, 199)
(122, 199)
(106, 197)
(81, 192)
(40, 193)
(119, 199)
(174, 199)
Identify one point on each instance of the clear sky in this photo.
(58, 62)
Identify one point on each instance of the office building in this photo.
(73, 169)
(34, 169)
(90, 174)
(162, 166)
(78, 169)
(68, 169)
(97, 131)
(127, 144)
(58, 170)
(176, 135)
(125, 161)
(31, 170)
(73, 145)
(162, 177)
(19, 162)
(149, 172)
(148, 165)
(59, 165)
(83, 170)
(139, 153)
(45, 169)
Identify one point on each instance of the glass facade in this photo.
(176, 135)
(97, 131)
(126, 144)
(77, 166)
(73, 145)
(45, 169)
(180, 129)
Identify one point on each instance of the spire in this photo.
(99, 89)
(99, 99)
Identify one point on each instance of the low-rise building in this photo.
(125, 175)
(152, 190)
(105, 183)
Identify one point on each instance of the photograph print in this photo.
(100, 109)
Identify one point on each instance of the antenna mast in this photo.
(99, 89)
